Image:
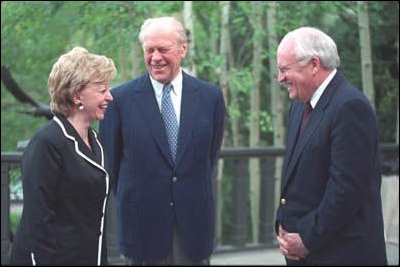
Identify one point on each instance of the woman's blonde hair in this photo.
(72, 72)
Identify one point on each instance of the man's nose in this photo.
(280, 77)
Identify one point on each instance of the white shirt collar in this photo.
(176, 96)
(318, 93)
(176, 83)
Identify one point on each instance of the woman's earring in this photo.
(80, 105)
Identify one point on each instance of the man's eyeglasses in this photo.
(284, 69)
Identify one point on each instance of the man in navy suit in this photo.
(164, 196)
(330, 208)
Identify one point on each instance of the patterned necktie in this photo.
(306, 115)
(169, 117)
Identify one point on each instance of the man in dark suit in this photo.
(330, 208)
(162, 142)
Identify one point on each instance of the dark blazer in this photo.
(150, 189)
(65, 189)
(330, 188)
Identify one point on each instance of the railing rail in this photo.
(235, 169)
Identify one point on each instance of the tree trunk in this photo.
(136, 56)
(397, 127)
(365, 49)
(223, 81)
(254, 138)
(188, 22)
(277, 97)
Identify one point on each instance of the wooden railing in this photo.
(233, 232)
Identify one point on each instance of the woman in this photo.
(65, 184)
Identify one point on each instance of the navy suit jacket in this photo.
(331, 179)
(150, 189)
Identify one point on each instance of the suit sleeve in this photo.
(41, 168)
(111, 139)
(219, 119)
(352, 173)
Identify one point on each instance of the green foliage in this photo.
(15, 126)
(15, 195)
(34, 34)
(385, 16)
(15, 217)
(265, 122)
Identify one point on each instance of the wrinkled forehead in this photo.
(159, 35)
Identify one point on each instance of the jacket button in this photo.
(174, 179)
(171, 204)
(283, 201)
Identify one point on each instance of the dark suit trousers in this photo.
(175, 257)
(300, 262)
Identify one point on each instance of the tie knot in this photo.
(167, 87)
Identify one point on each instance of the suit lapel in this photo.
(292, 135)
(296, 148)
(312, 125)
(189, 106)
(146, 100)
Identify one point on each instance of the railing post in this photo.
(267, 205)
(217, 202)
(5, 213)
(239, 203)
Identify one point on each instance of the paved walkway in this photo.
(273, 257)
(252, 257)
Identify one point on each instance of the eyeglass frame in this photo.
(284, 69)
